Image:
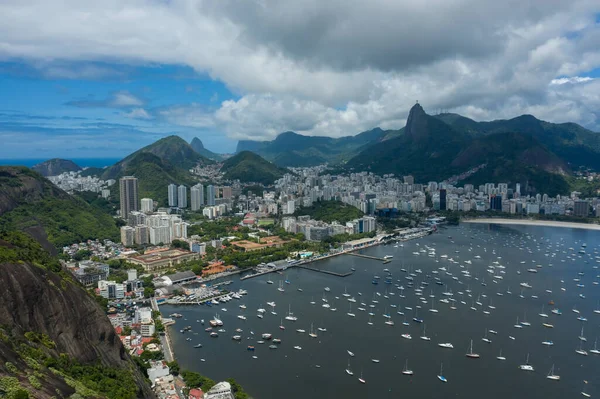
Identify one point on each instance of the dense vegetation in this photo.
(65, 219)
(330, 211)
(249, 167)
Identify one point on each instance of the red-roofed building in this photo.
(118, 330)
(196, 393)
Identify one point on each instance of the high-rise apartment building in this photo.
(147, 205)
(127, 236)
(172, 195)
(128, 195)
(226, 192)
(197, 197)
(443, 199)
(210, 195)
(182, 196)
(581, 208)
(141, 235)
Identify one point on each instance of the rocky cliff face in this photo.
(56, 166)
(37, 300)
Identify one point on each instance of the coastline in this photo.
(529, 222)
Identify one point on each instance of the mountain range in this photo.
(538, 154)
(295, 150)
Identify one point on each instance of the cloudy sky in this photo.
(82, 78)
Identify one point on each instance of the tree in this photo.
(173, 367)
(180, 244)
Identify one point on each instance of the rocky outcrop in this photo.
(56, 166)
(36, 300)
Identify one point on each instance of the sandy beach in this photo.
(529, 222)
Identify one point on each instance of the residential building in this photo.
(210, 195)
(160, 235)
(442, 199)
(142, 234)
(147, 205)
(111, 289)
(172, 195)
(127, 236)
(222, 390)
(182, 196)
(158, 369)
(197, 197)
(581, 208)
(128, 195)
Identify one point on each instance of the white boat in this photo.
(406, 370)
(290, 316)
(350, 312)
(584, 393)
(548, 343)
(500, 357)
(526, 366)
(542, 314)
(446, 345)
(242, 317)
(348, 369)
(406, 336)
(424, 337)
(375, 360)
(552, 376)
(280, 289)
(441, 375)
(581, 336)
(581, 351)
(470, 354)
(350, 353)
(312, 333)
(485, 338)
(297, 347)
(361, 379)
(301, 331)
(595, 351)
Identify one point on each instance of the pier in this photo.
(368, 257)
(326, 271)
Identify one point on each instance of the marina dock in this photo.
(369, 257)
(326, 271)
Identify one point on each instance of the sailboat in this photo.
(345, 294)
(441, 376)
(290, 316)
(581, 336)
(485, 338)
(500, 357)
(518, 325)
(432, 310)
(281, 326)
(552, 376)
(581, 351)
(280, 289)
(526, 366)
(370, 322)
(470, 354)
(587, 395)
(597, 310)
(348, 369)
(361, 379)
(424, 337)
(416, 319)
(312, 333)
(595, 351)
(543, 314)
(350, 311)
(525, 322)
(406, 370)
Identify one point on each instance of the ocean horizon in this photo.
(82, 162)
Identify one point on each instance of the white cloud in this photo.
(138, 113)
(574, 79)
(125, 99)
(330, 67)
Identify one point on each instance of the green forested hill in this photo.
(30, 203)
(249, 167)
(329, 211)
